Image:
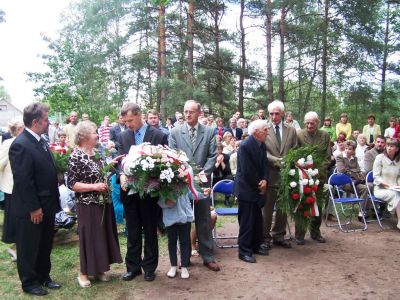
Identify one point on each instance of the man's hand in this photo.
(262, 186)
(123, 181)
(37, 216)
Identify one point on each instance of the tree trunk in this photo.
(149, 68)
(324, 59)
(282, 33)
(384, 62)
(268, 25)
(162, 60)
(190, 21)
(243, 59)
(220, 97)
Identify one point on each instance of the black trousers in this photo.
(179, 232)
(315, 224)
(250, 227)
(34, 244)
(141, 216)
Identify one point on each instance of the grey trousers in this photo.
(279, 229)
(202, 220)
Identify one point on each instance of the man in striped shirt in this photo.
(104, 130)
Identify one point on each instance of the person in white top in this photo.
(360, 150)
(389, 132)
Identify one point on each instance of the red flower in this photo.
(300, 206)
(306, 213)
(309, 166)
(307, 190)
(315, 188)
(310, 200)
(295, 196)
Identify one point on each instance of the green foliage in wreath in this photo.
(287, 202)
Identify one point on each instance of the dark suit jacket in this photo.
(252, 167)
(35, 177)
(153, 136)
(114, 135)
(239, 133)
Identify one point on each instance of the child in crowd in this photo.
(177, 218)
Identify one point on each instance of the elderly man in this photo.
(69, 129)
(116, 131)
(281, 139)
(312, 136)
(250, 187)
(198, 142)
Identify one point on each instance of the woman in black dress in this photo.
(98, 240)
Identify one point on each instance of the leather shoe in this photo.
(247, 258)
(212, 265)
(266, 246)
(50, 284)
(282, 243)
(300, 241)
(319, 239)
(261, 251)
(128, 276)
(149, 276)
(37, 291)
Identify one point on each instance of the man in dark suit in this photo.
(198, 142)
(36, 201)
(236, 131)
(250, 188)
(117, 130)
(140, 212)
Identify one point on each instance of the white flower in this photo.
(317, 182)
(315, 172)
(311, 182)
(309, 158)
(168, 164)
(310, 172)
(301, 162)
(305, 181)
(292, 172)
(293, 184)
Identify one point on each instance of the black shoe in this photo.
(266, 246)
(50, 284)
(300, 241)
(37, 291)
(282, 243)
(366, 216)
(319, 239)
(247, 258)
(149, 276)
(128, 276)
(261, 251)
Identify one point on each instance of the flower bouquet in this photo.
(300, 191)
(158, 171)
(60, 156)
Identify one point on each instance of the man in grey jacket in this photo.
(198, 142)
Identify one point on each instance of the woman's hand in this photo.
(100, 187)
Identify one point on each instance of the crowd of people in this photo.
(250, 152)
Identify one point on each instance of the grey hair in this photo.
(276, 104)
(256, 124)
(311, 115)
(195, 102)
(361, 136)
(82, 131)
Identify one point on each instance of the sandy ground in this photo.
(360, 265)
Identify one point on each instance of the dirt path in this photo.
(362, 265)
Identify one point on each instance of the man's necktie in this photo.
(278, 135)
(138, 138)
(193, 135)
(43, 144)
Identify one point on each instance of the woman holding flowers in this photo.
(98, 240)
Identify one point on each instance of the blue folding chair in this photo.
(375, 201)
(338, 200)
(224, 187)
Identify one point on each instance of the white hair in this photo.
(276, 104)
(311, 115)
(257, 124)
